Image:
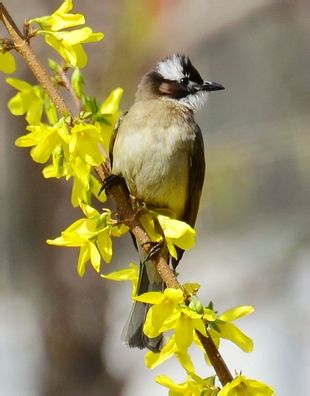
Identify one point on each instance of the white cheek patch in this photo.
(195, 101)
(171, 68)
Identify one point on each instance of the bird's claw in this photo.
(109, 182)
(156, 247)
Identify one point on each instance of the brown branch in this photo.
(215, 358)
(116, 192)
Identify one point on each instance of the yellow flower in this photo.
(93, 235)
(44, 139)
(223, 328)
(127, 274)
(29, 100)
(81, 172)
(193, 386)
(69, 44)
(84, 142)
(169, 312)
(176, 232)
(7, 62)
(110, 105)
(242, 386)
(60, 19)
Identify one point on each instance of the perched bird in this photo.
(158, 150)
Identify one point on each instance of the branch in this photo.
(116, 192)
(65, 82)
(215, 358)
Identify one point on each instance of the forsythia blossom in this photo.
(67, 43)
(242, 386)
(74, 146)
(193, 386)
(7, 62)
(29, 100)
(223, 328)
(169, 312)
(93, 234)
(176, 232)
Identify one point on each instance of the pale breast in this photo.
(151, 151)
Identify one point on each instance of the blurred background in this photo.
(59, 334)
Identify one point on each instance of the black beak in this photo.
(211, 86)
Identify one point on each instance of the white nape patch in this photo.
(194, 101)
(171, 68)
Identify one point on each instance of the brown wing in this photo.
(196, 163)
(196, 179)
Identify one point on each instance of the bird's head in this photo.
(176, 78)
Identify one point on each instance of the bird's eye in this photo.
(184, 80)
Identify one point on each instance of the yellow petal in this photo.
(185, 360)
(184, 333)
(7, 62)
(236, 313)
(88, 210)
(151, 297)
(65, 7)
(83, 258)
(148, 224)
(180, 233)
(20, 85)
(104, 243)
(45, 147)
(128, 274)
(243, 386)
(17, 105)
(175, 295)
(175, 389)
(172, 250)
(80, 56)
(94, 37)
(76, 36)
(111, 103)
(156, 317)
(94, 256)
(231, 332)
(153, 360)
(35, 110)
(200, 326)
(64, 21)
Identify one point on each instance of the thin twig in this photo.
(215, 358)
(65, 82)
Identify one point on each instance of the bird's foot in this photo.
(110, 181)
(155, 248)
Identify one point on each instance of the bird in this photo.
(158, 150)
